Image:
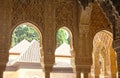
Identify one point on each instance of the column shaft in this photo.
(47, 74)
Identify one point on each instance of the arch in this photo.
(31, 25)
(70, 34)
(102, 44)
(19, 54)
(63, 55)
(102, 34)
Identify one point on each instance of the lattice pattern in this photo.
(28, 10)
(64, 13)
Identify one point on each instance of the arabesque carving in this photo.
(24, 10)
(64, 13)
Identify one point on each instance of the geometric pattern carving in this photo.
(64, 13)
(24, 10)
(111, 9)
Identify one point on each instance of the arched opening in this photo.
(104, 57)
(64, 35)
(24, 53)
(63, 53)
(26, 31)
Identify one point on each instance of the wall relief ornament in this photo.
(110, 7)
(64, 13)
(23, 10)
(109, 10)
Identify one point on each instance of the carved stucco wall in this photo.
(98, 23)
(28, 11)
(48, 16)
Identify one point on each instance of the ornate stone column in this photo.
(83, 58)
(48, 38)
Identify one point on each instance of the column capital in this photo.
(82, 64)
(83, 61)
(82, 68)
(47, 62)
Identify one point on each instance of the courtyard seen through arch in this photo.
(94, 42)
(63, 54)
(25, 52)
(25, 39)
(25, 31)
